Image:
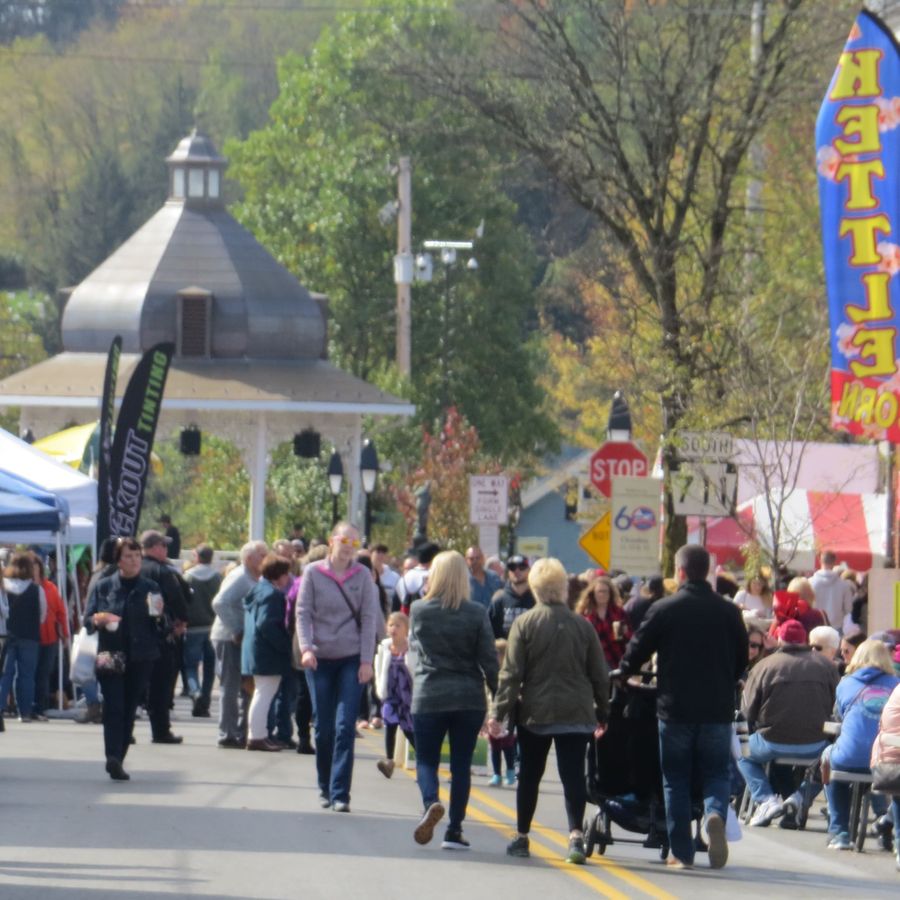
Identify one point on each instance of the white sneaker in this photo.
(767, 811)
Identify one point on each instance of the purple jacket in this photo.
(325, 623)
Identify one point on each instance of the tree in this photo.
(645, 111)
(314, 181)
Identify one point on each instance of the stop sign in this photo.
(616, 459)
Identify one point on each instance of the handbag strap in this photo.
(354, 612)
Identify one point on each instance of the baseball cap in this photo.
(152, 538)
(792, 632)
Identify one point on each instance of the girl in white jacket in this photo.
(394, 665)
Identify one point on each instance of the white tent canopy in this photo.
(79, 491)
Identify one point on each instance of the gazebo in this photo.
(250, 362)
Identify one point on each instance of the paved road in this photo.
(199, 821)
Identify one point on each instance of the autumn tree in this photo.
(645, 111)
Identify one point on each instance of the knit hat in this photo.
(792, 632)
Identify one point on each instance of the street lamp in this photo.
(335, 480)
(448, 256)
(619, 427)
(368, 468)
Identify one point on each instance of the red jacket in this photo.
(56, 615)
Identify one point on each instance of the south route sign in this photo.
(614, 459)
(597, 539)
(488, 496)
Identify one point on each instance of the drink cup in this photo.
(112, 626)
(155, 605)
(617, 630)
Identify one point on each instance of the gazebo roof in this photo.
(75, 380)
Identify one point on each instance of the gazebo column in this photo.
(258, 470)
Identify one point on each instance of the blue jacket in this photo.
(138, 634)
(266, 648)
(860, 699)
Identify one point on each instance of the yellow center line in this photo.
(584, 875)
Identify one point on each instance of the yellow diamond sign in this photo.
(597, 539)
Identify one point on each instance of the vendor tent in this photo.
(807, 522)
(77, 492)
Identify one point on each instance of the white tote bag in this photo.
(84, 657)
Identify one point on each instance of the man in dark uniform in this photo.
(175, 591)
(174, 536)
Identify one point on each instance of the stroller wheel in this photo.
(590, 835)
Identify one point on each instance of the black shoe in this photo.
(306, 748)
(884, 830)
(232, 743)
(3, 725)
(324, 801)
(168, 739)
(115, 770)
(454, 840)
(200, 709)
(518, 847)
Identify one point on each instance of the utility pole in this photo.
(403, 267)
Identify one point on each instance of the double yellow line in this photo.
(584, 874)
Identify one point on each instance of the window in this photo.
(195, 182)
(212, 178)
(178, 183)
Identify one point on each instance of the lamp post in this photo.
(335, 481)
(368, 468)
(619, 427)
(448, 255)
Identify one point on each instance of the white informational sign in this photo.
(533, 547)
(488, 497)
(634, 541)
(704, 489)
(489, 540)
(711, 446)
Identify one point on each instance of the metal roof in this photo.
(75, 380)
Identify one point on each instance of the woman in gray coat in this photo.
(456, 656)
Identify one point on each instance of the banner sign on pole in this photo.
(634, 541)
(858, 160)
(133, 443)
(107, 411)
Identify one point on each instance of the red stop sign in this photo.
(616, 459)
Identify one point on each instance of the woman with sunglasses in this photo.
(337, 620)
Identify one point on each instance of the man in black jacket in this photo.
(513, 599)
(175, 592)
(701, 646)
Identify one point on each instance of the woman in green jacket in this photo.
(555, 682)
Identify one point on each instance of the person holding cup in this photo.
(124, 609)
(601, 605)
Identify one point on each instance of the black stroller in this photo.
(624, 780)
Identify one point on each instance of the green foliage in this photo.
(314, 181)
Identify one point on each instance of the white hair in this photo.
(825, 636)
(251, 548)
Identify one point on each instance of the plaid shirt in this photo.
(613, 649)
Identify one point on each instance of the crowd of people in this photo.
(313, 643)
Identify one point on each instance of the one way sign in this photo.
(488, 499)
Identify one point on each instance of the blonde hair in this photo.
(871, 653)
(801, 586)
(448, 579)
(549, 581)
(399, 618)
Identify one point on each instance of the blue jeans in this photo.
(335, 689)
(693, 753)
(21, 666)
(198, 648)
(430, 730)
(753, 767)
(280, 723)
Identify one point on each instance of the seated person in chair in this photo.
(787, 699)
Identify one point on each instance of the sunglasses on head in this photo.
(349, 542)
(517, 567)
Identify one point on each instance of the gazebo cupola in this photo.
(195, 171)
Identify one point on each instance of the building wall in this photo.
(546, 518)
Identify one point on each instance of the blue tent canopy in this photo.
(26, 507)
